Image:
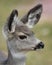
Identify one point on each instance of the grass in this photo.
(42, 31)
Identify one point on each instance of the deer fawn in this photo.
(20, 37)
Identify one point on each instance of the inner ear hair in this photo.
(11, 17)
(35, 8)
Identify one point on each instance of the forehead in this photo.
(23, 29)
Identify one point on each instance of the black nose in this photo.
(39, 46)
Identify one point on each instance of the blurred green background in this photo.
(43, 30)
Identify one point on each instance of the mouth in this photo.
(39, 46)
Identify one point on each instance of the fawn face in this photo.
(18, 32)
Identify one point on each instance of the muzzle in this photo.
(39, 46)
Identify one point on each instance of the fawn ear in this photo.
(33, 16)
(10, 24)
(12, 20)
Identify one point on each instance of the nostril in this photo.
(41, 45)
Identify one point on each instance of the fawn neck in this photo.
(16, 58)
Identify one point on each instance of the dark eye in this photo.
(22, 37)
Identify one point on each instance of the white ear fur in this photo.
(5, 30)
(32, 16)
(30, 24)
(4, 33)
(14, 24)
(13, 18)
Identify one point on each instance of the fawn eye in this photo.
(22, 37)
